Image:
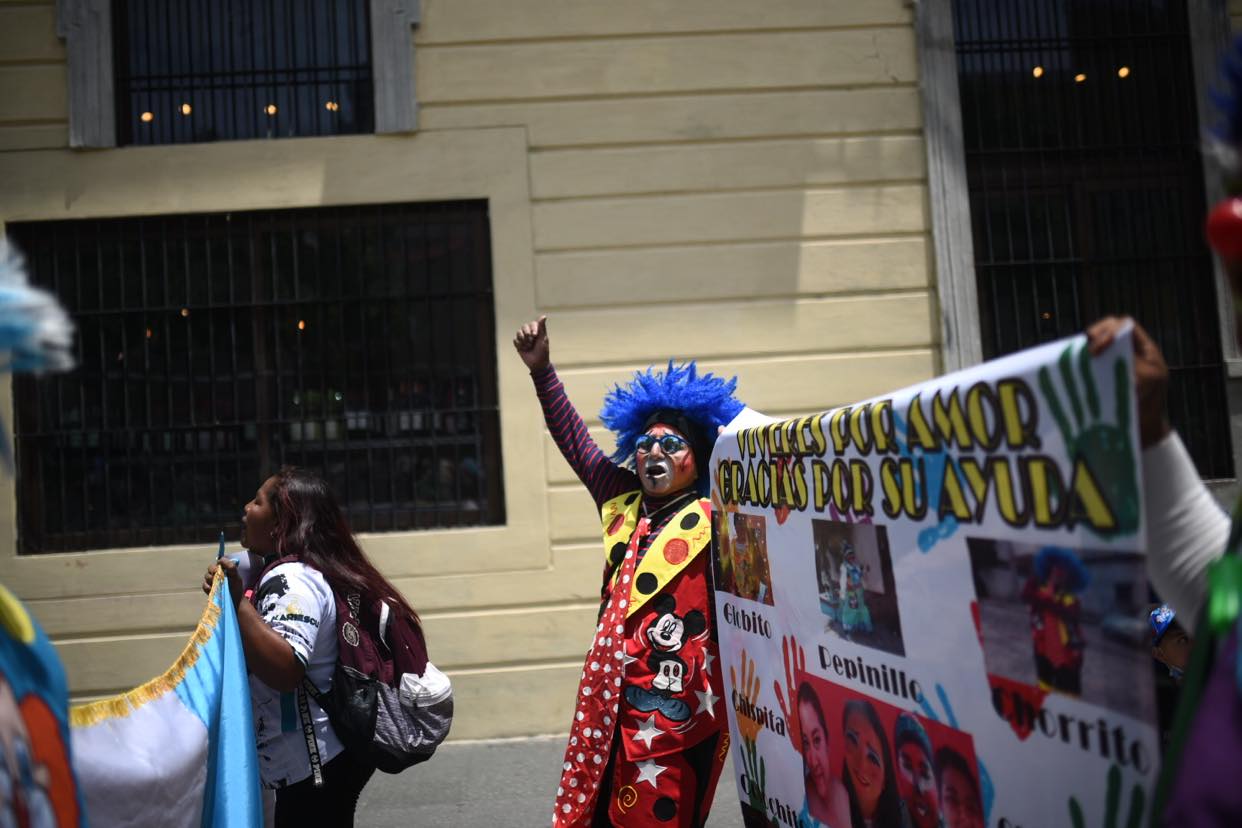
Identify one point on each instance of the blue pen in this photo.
(220, 554)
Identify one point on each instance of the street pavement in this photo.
(507, 783)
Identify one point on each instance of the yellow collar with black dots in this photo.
(682, 539)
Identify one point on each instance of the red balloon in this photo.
(1224, 229)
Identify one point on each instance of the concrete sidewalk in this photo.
(500, 784)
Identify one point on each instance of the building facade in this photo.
(745, 184)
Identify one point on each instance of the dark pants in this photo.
(331, 806)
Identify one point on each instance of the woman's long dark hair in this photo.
(888, 807)
(311, 526)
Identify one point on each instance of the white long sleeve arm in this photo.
(1186, 528)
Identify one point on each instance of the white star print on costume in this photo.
(648, 770)
(708, 658)
(626, 659)
(647, 731)
(707, 701)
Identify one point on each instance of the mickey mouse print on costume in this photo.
(645, 745)
(667, 635)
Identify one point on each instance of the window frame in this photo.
(86, 28)
(949, 199)
(234, 335)
(443, 165)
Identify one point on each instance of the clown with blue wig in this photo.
(1058, 577)
(916, 773)
(854, 614)
(644, 743)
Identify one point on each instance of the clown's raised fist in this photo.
(531, 343)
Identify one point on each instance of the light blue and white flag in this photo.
(180, 749)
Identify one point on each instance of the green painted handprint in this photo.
(756, 771)
(1112, 799)
(1105, 448)
(754, 768)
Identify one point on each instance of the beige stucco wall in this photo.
(733, 181)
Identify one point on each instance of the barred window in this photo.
(214, 348)
(1086, 187)
(210, 70)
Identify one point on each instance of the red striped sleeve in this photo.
(603, 478)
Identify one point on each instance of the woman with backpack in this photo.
(289, 631)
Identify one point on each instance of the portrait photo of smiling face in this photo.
(816, 763)
(827, 802)
(864, 759)
(868, 772)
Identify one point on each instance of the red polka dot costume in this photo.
(649, 735)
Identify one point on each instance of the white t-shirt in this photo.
(296, 602)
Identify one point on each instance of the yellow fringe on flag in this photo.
(85, 715)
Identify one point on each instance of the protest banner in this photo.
(930, 604)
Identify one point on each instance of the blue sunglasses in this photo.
(669, 443)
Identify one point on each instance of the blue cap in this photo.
(1161, 618)
(908, 729)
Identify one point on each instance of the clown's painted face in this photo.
(664, 461)
(916, 781)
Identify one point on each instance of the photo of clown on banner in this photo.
(923, 596)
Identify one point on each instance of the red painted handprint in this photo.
(795, 662)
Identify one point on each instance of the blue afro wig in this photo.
(1070, 563)
(704, 401)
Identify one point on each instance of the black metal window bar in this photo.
(210, 70)
(1086, 187)
(355, 341)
